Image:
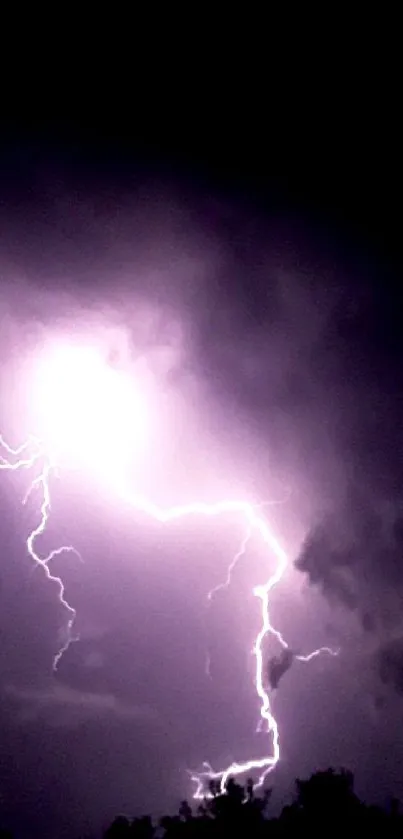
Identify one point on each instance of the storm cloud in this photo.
(353, 550)
(279, 372)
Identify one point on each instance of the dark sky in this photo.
(252, 258)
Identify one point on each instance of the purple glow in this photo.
(84, 406)
(81, 402)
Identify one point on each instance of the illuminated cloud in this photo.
(90, 413)
(62, 706)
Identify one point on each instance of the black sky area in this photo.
(296, 333)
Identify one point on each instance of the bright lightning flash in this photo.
(84, 404)
(81, 404)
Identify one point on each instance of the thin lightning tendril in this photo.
(238, 555)
(32, 453)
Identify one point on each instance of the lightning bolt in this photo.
(238, 555)
(27, 456)
(32, 456)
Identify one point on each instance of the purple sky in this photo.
(269, 377)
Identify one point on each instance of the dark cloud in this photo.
(354, 556)
(390, 664)
(368, 622)
(354, 547)
(277, 667)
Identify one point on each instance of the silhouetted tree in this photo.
(327, 798)
(324, 805)
(119, 829)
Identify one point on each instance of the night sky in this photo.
(249, 281)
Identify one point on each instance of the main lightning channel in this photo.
(31, 455)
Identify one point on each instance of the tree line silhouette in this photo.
(324, 805)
